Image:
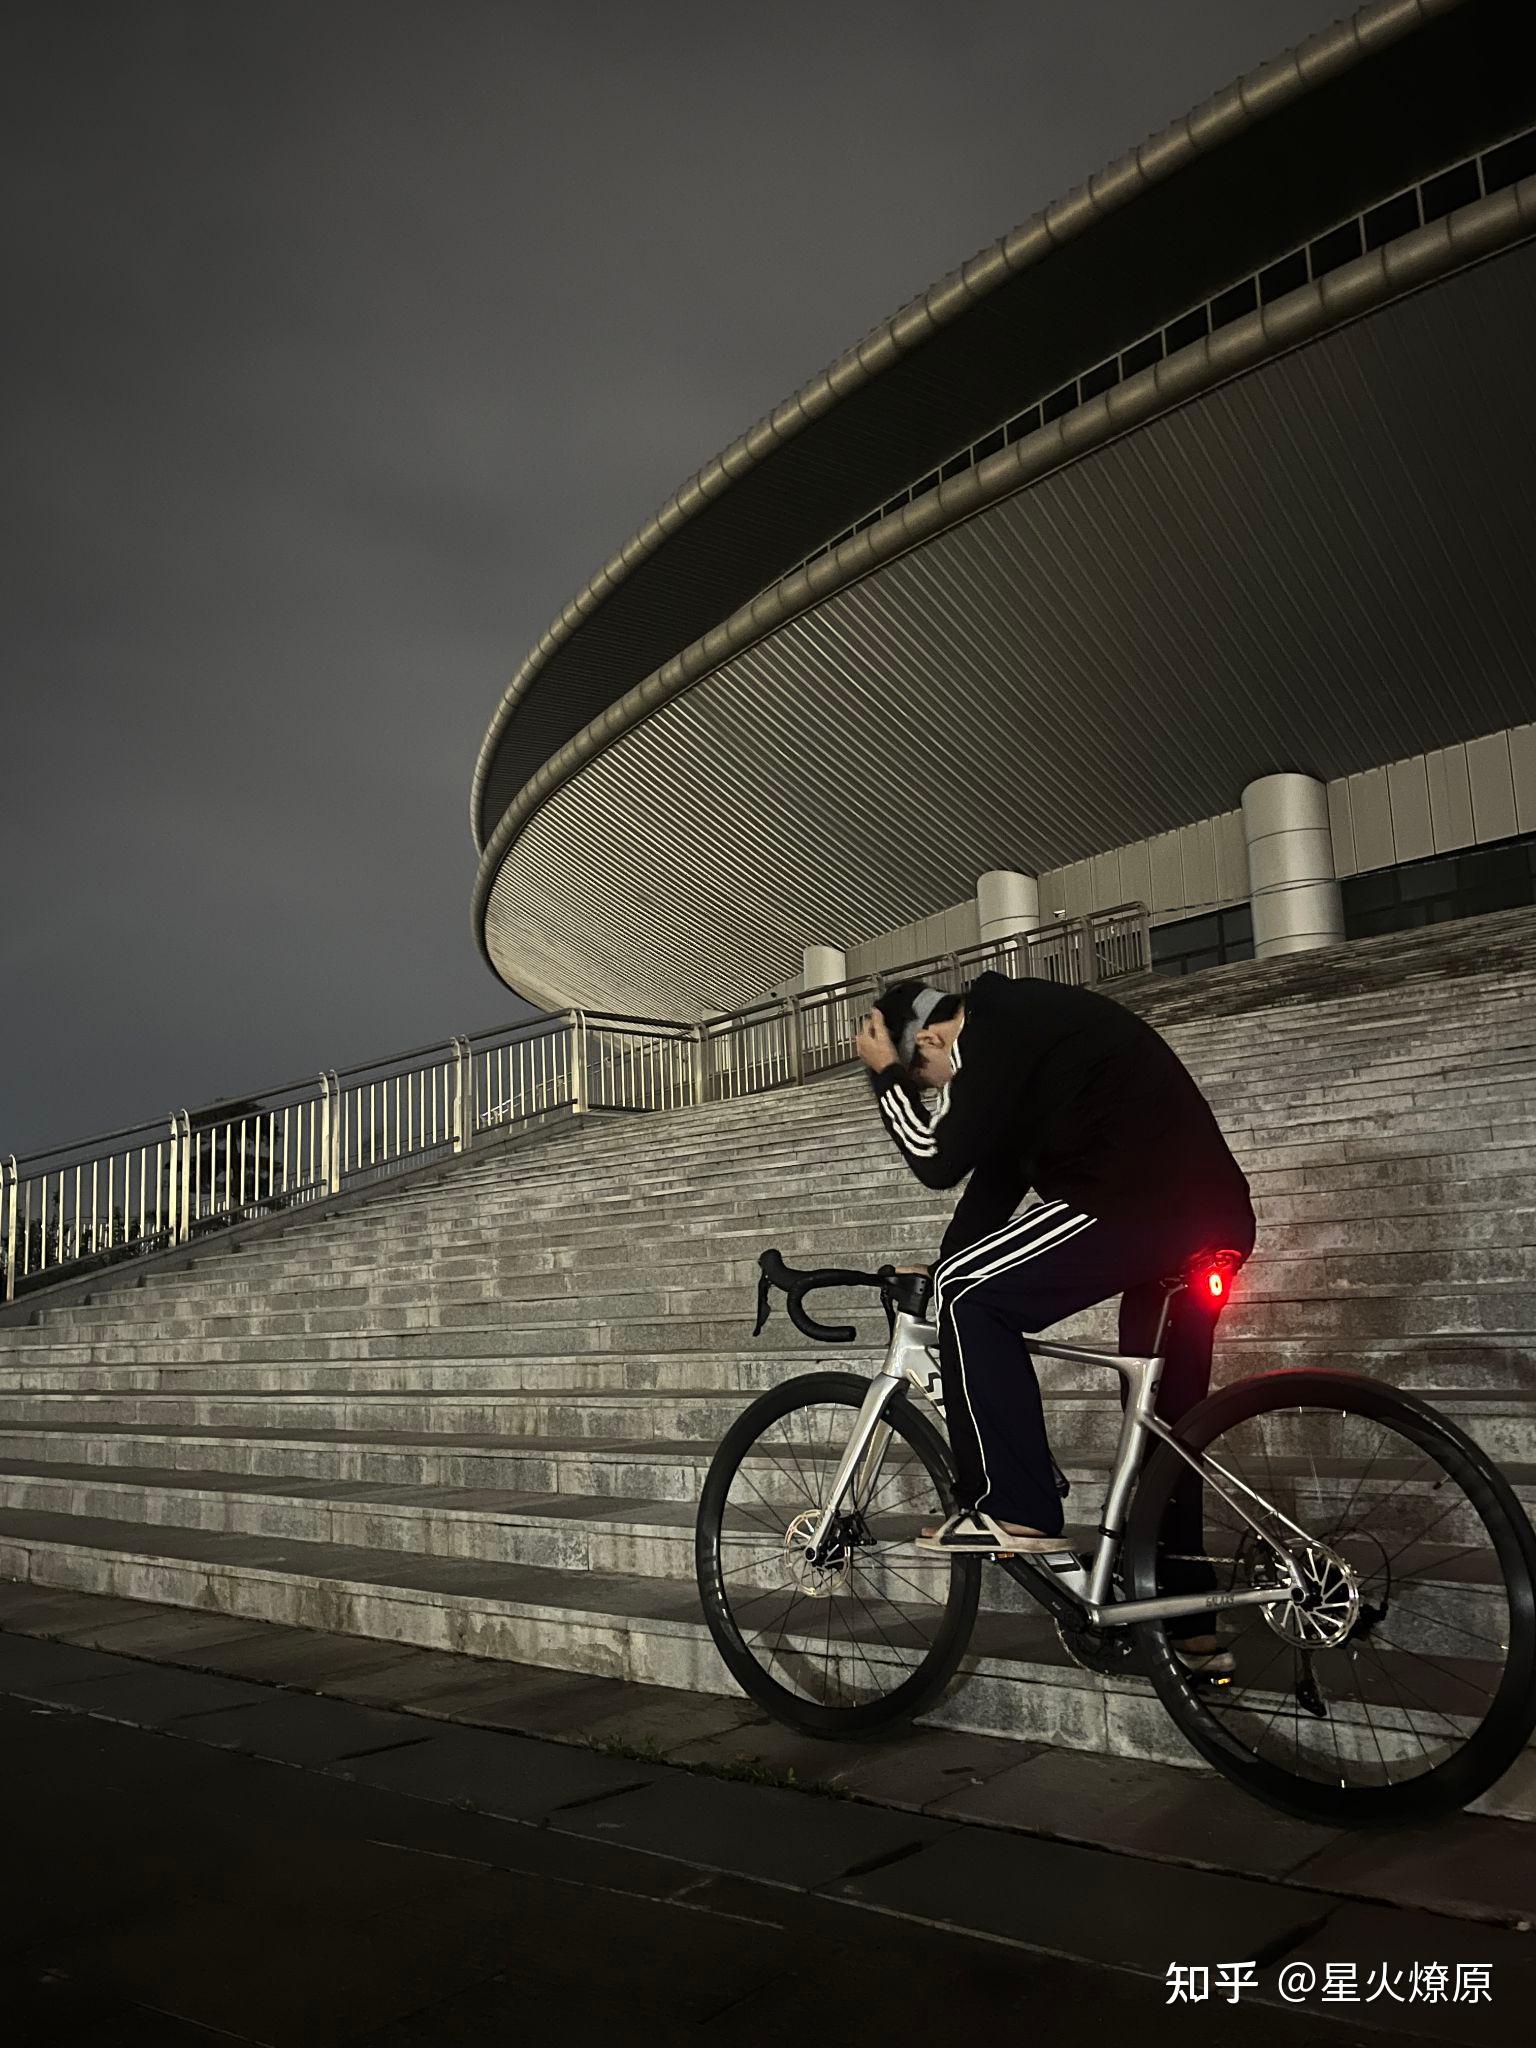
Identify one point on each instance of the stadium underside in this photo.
(1309, 565)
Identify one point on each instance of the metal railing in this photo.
(152, 1187)
(794, 1038)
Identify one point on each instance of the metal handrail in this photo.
(73, 1208)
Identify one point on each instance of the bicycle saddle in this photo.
(1208, 1273)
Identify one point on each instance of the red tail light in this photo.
(1211, 1277)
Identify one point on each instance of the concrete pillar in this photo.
(1007, 905)
(824, 967)
(823, 1026)
(1297, 904)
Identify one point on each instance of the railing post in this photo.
(333, 1185)
(1088, 952)
(8, 1180)
(463, 1120)
(700, 1066)
(794, 1048)
(579, 1097)
(180, 1228)
(325, 1130)
(1144, 922)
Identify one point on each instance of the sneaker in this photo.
(1217, 1663)
(976, 1534)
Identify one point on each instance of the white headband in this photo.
(923, 1006)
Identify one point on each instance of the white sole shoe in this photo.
(975, 1534)
(1206, 1663)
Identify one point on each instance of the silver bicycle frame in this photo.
(912, 1360)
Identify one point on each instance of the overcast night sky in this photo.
(346, 341)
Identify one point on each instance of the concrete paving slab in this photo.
(559, 1709)
(390, 1685)
(215, 1963)
(504, 1920)
(498, 1774)
(757, 1831)
(663, 1717)
(33, 1666)
(1460, 1863)
(924, 1765)
(302, 1657)
(1515, 1793)
(497, 1694)
(167, 1635)
(236, 1657)
(768, 1745)
(295, 1729)
(1378, 1949)
(1144, 1809)
(156, 1697)
(1086, 1903)
(36, 1609)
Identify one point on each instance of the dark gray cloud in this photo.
(346, 342)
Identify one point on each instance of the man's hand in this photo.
(874, 1045)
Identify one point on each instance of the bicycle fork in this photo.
(863, 1456)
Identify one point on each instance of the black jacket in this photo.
(1065, 1091)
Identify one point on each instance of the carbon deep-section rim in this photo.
(1407, 1687)
(870, 1643)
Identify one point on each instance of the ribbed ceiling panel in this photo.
(1322, 566)
(1357, 113)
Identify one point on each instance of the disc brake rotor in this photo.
(1326, 1618)
(816, 1582)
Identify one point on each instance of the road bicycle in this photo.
(1373, 1568)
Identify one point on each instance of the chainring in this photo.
(1111, 1652)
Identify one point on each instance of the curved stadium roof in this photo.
(1189, 477)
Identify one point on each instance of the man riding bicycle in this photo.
(1065, 1091)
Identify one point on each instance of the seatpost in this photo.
(1162, 1321)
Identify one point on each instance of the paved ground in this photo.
(225, 1853)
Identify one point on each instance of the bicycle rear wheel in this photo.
(1409, 1687)
(873, 1637)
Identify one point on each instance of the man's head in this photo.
(924, 1023)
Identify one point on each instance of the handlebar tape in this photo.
(797, 1285)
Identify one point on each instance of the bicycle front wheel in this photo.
(872, 1637)
(1405, 1686)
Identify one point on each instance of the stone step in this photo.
(1016, 1679)
(468, 1330)
(1383, 1161)
(839, 1114)
(1377, 1194)
(1464, 1246)
(1425, 1362)
(583, 1442)
(1252, 1130)
(1402, 1299)
(635, 1538)
(1503, 1174)
(1379, 1205)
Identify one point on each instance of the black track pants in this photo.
(1049, 1263)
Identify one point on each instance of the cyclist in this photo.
(1065, 1091)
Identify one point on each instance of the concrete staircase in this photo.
(474, 1413)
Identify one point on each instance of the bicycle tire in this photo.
(1499, 1737)
(930, 1676)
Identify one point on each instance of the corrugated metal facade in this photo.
(1323, 565)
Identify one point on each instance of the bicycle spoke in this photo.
(1401, 1697)
(879, 1618)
